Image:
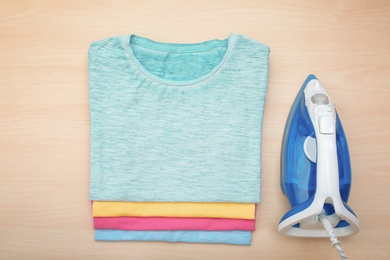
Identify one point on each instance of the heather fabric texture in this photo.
(176, 122)
(209, 237)
(173, 209)
(168, 223)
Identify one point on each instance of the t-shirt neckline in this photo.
(129, 40)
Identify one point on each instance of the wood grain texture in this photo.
(44, 120)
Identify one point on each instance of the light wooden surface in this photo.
(44, 120)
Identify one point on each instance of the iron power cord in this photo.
(333, 238)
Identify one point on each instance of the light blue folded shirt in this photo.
(209, 237)
(176, 122)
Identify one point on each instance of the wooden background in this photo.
(44, 120)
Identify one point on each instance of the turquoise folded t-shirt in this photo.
(206, 237)
(176, 122)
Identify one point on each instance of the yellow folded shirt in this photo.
(173, 209)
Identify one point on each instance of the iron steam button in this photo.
(326, 124)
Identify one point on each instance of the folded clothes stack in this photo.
(176, 138)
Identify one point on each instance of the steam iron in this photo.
(315, 168)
